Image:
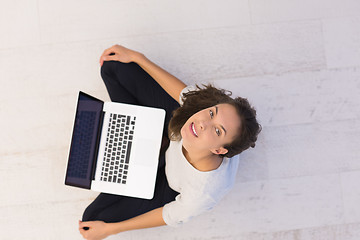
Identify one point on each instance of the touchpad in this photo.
(145, 152)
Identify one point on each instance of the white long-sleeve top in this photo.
(198, 191)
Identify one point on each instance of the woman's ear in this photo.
(220, 150)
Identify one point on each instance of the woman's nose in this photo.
(203, 125)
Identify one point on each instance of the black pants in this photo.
(129, 83)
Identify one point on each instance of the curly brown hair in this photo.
(209, 96)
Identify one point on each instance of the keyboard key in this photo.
(128, 153)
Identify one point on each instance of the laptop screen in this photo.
(85, 140)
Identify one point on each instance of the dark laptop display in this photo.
(85, 139)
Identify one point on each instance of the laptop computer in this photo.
(115, 147)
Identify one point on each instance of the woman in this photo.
(197, 166)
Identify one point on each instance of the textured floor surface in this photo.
(297, 61)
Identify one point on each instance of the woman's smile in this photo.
(193, 130)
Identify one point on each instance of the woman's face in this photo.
(210, 129)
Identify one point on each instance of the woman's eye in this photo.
(217, 131)
(211, 114)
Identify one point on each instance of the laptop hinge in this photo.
(98, 138)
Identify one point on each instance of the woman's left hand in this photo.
(118, 53)
(96, 230)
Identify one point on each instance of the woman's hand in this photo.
(96, 230)
(118, 53)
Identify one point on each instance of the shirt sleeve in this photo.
(185, 207)
(195, 200)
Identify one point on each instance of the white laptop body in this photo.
(144, 151)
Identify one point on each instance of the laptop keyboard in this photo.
(117, 149)
(80, 152)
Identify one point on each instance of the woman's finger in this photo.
(106, 53)
(83, 225)
(109, 50)
(110, 58)
(80, 225)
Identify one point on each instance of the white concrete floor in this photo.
(297, 61)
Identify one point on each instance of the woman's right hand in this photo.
(118, 53)
(96, 230)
